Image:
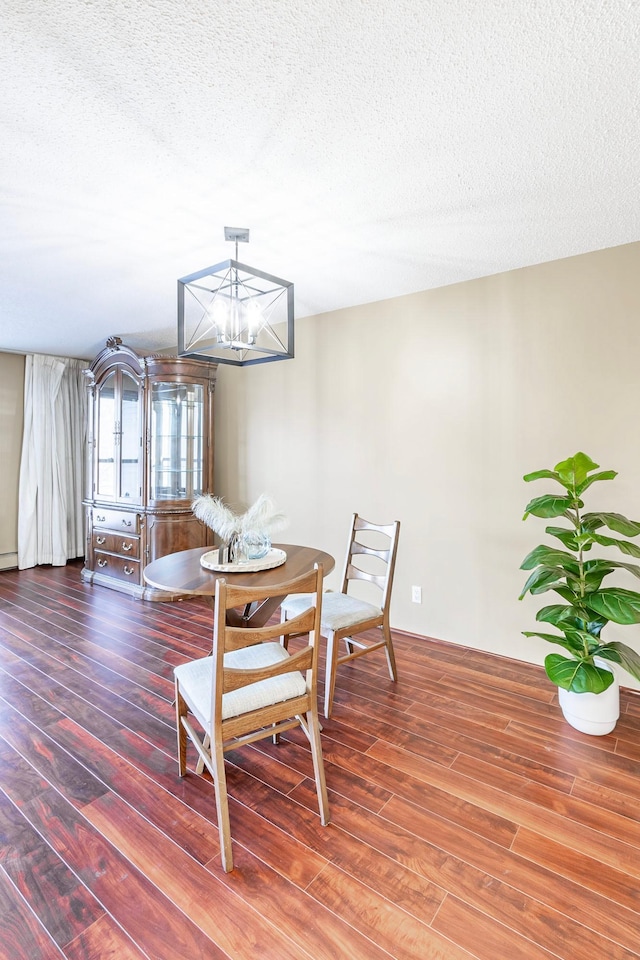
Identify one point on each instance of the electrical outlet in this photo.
(416, 594)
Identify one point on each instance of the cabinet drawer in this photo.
(120, 543)
(116, 520)
(122, 568)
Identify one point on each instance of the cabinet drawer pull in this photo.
(127, 523)
(100, 540)
(100, 519)
(128, 570)
(102, 563)
(126, 546)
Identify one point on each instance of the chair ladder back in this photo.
(383, 554)
(347, 560)
(234, 679)
(236, 596)
(355, 573)
(304, 622)
(239, 637)
(362, 524)
(387, 555)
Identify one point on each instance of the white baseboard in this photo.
(8, 561)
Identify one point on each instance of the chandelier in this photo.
(232, 313)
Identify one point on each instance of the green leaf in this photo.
(603, 475)
(621, 653)
(550, 557)
(566, 537)
(625, 546)
(556, 613)
(546, 578)
(621, 606)
(569, 592)
(593, 581)
(614, 521)
(571, 645)
(579, 676)
(543, 579)
(541, 475)
(608, 566)
(574, 470)
(588, 643)
(567, 616)
(548, 506)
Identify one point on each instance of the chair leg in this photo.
(181, 711)
(330, 674)
(313, 727)
(222, 805)
(284, 640)
(391, 657)
(206, 743)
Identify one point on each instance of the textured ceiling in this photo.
(374, 148)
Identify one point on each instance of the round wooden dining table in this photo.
(180, 575)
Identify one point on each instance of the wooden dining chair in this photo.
(345, 615)
(250, 688)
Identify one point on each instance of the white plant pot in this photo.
(593, 713)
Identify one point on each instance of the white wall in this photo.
(429, 409)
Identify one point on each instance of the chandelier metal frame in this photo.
(233, 313)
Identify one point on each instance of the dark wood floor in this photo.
(468, 820)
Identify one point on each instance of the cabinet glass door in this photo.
(130, 439)
(118, 438)
(106, 438)
(176, 440)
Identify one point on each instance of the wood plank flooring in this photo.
(468, 820)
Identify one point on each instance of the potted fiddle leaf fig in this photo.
(569, 569)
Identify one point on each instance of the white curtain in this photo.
(50, 514)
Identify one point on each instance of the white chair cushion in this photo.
(296, 604)
(196, 678)
(339, 610)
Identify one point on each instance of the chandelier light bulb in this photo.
(255, 320)
(219, 314)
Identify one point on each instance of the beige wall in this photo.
(429, 409)
(11, 406)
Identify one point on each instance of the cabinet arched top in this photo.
(115, 354)
(118, 354)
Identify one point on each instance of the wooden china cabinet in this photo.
(150, 451)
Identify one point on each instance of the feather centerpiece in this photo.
(245, 536)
